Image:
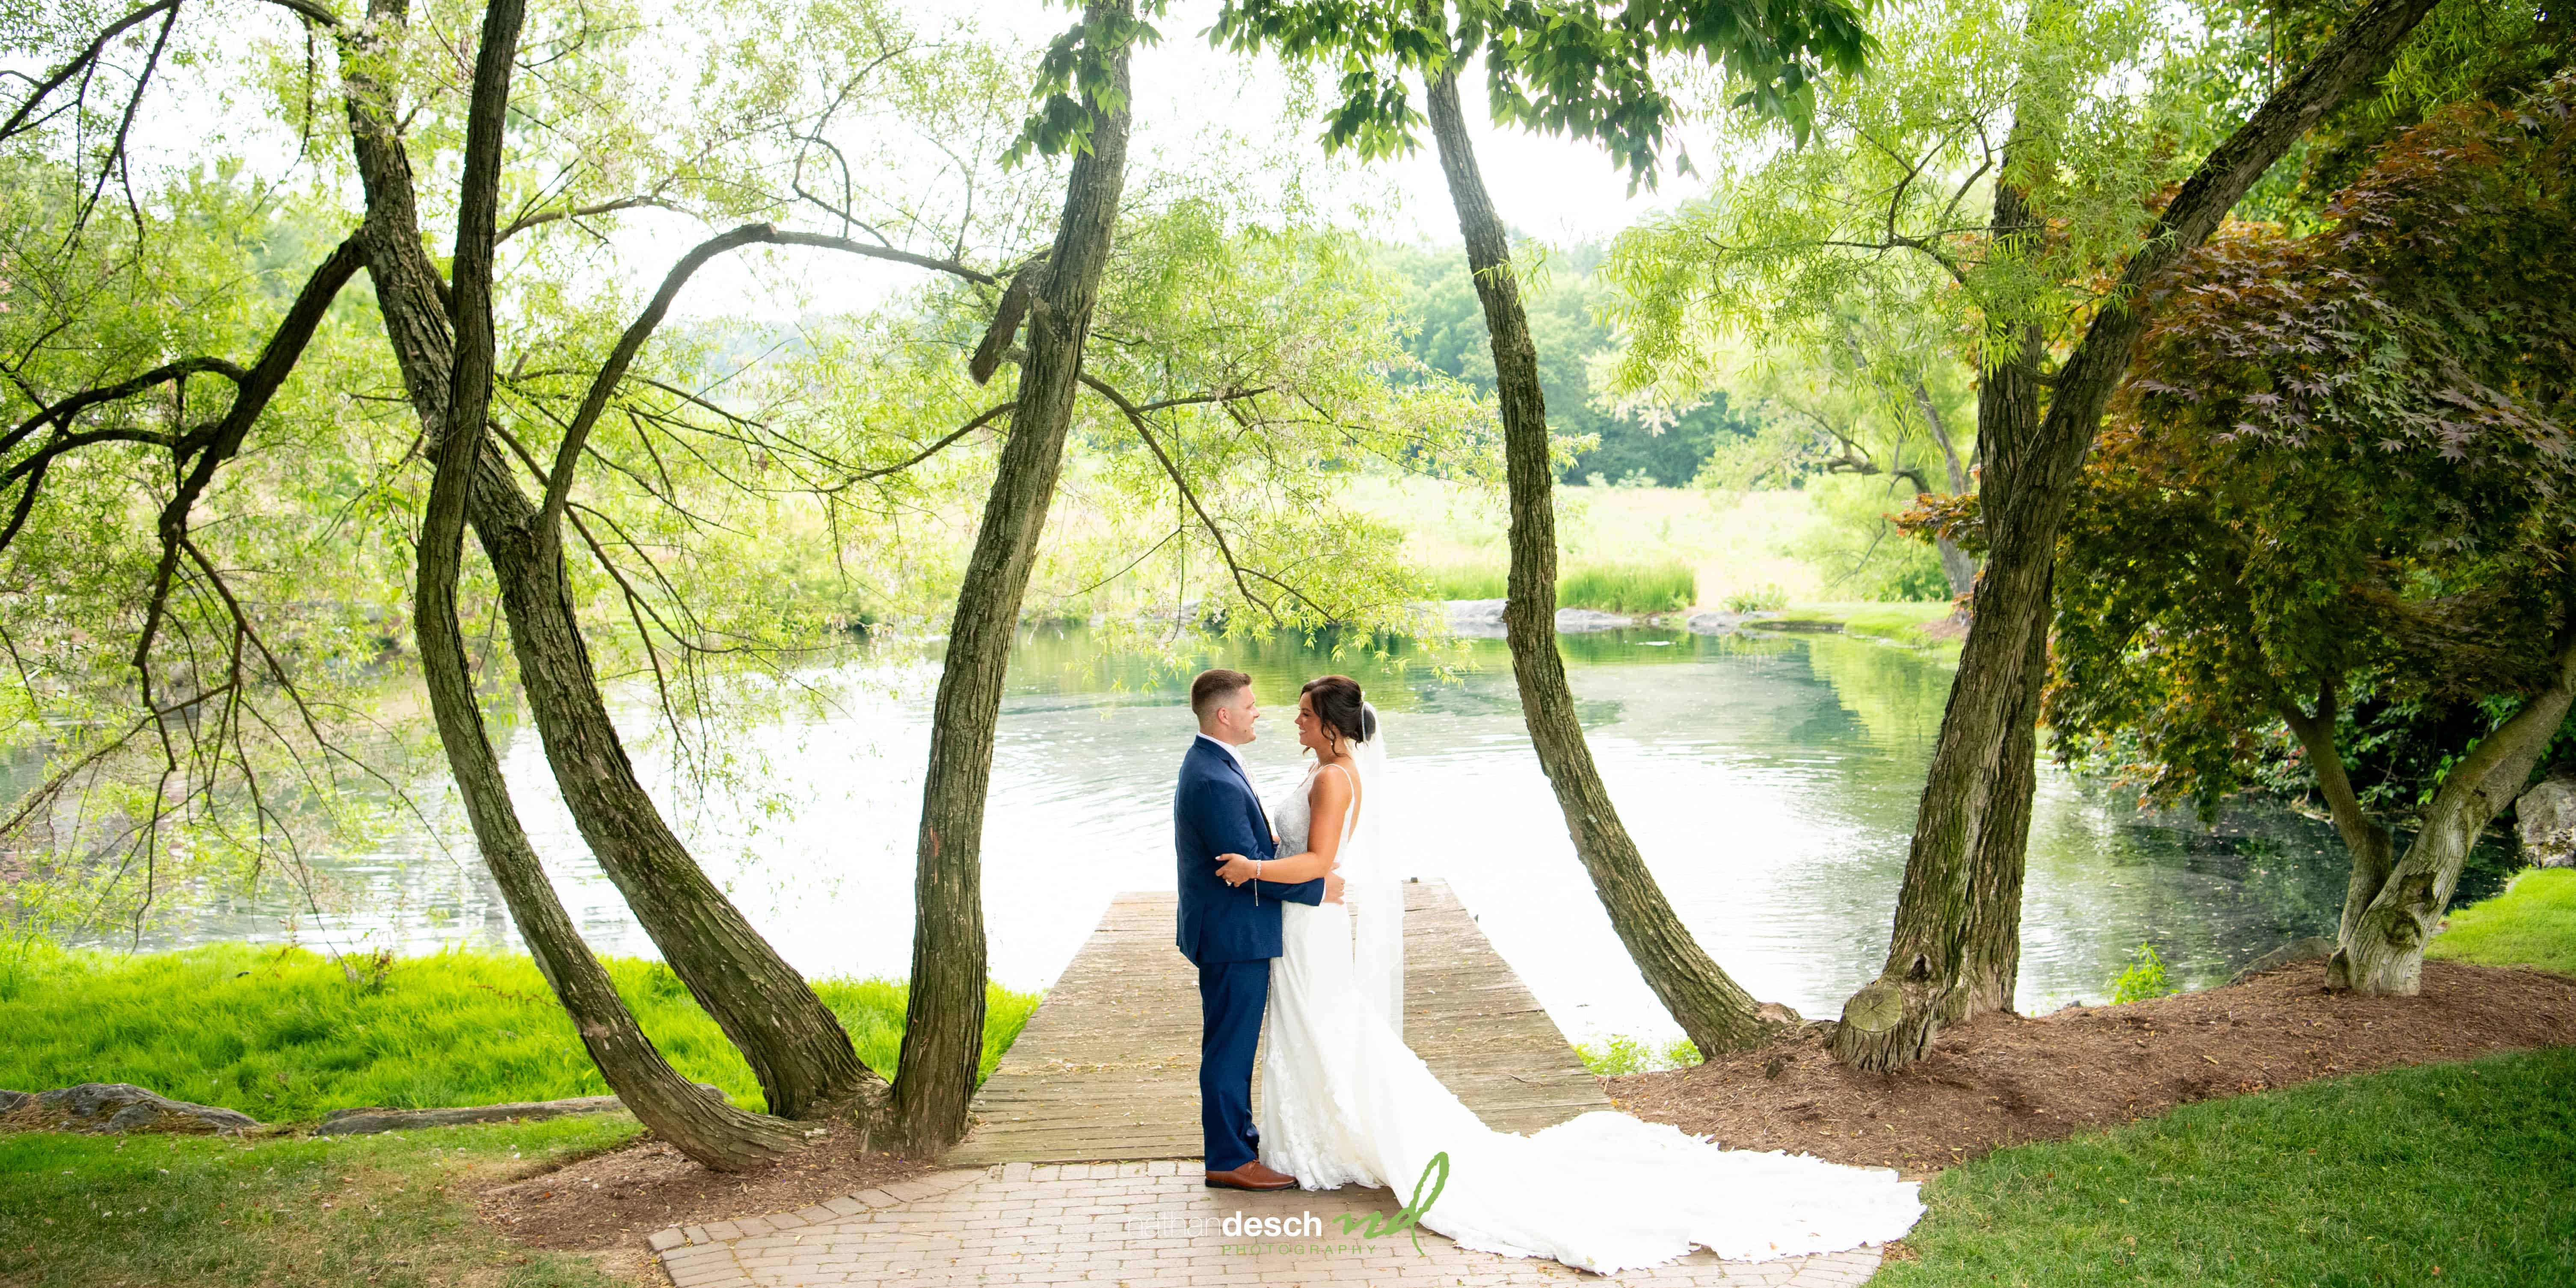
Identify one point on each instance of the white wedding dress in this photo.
(1345, 1101)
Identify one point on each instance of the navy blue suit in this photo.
(1230, 933)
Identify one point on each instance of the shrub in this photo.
(1765, 598)
(2144, 979)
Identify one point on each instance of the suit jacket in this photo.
(1215, 811)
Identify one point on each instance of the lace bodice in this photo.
(1292, 816)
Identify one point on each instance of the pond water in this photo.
(1771, 782)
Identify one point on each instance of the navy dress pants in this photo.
(1231, 998)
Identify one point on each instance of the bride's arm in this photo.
(1329, 799)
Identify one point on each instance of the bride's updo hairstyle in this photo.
(1339, 706)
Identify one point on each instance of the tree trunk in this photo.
(1958, 567)
(1990, 962)
(706, 1129)
(943, 1032)
(2028, 481)
(2382, 954)
(1892, 1020)
(795, 1045)
(2364, 839)
(1711, 1007)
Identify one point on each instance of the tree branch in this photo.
(1136, 417)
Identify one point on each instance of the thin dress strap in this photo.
(1350, 817)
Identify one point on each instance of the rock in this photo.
(117, 1108)
(12, 1101)
(1582, 621)
(361, 1122)
(2545, 815)
(1714, 623)
(1483, 619)
(1477, 618)
(2309, 949)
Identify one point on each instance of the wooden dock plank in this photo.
(1107, 1068)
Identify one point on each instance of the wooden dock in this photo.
(1108, 1067)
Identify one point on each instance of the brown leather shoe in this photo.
(1251, 1176)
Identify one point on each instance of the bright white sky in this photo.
(1546, 187)
(1559, 191)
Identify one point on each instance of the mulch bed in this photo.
(2004, 1080)
(618, 1199)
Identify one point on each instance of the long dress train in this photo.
(1345, 1101)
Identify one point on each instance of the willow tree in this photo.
(2321, 490)
(2072, 231)
(606, 475)
(1585, 70)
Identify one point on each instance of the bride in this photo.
(1345, 1101)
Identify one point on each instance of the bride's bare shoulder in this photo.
(1329, 788)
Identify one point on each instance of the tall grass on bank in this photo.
(2439, 1174)
(1609, 588)
(283, 1034)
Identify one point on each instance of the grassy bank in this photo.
(1909, 623)
(1610, 588)
(284, 1035)
(2454, 1173)
(390, 1211)
(2532, 922)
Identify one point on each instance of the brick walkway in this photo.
(1133, 1223)
(1108, 1069)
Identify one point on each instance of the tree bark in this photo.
(943, 1031)
(1711, 1007)
(1990, 963)
(2029, 479)
(2382, 953)
(1892, 1020)
(2364, 839)
(706, 1129)
(794, 1044)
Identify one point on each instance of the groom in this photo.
(1229, 932)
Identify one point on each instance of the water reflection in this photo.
(1770, 781)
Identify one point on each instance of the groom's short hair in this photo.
(1213, 687)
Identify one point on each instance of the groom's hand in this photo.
(1332, 887)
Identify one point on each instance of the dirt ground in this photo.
(2006, 1080)
(615, 1200)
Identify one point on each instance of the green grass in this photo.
(282, 1035)
(2532, 922)
(390, 1211)
(1628, 587)
(1620, 1053)
(2366, 1180)
(1610, 588)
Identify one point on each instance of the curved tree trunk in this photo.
(2369, 843)
(1892, 1020)
(1990, 956)
(795, 1045)
(2028, 482)
(1711, 1007)
(706, 1129)
(936, 1077)
(2382, 953)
